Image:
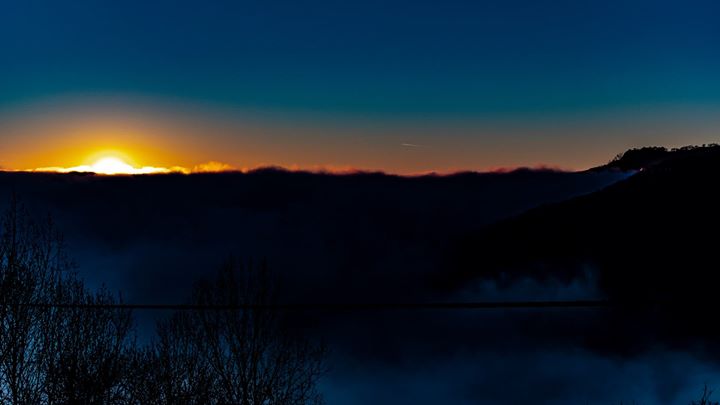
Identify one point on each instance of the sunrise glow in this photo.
(111, 165)
(118, 163)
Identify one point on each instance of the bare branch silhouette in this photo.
(705, 398)
(234, 356)
(31, 262)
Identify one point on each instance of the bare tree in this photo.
(50, 354)
(705, 398)
(61, 343)
(31, 260)
(87, 348)
(232, 354)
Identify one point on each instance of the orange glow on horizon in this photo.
(119, 163)
(65, 136)
(107, 166)
(157, 137)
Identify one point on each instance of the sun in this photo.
(116, 165)
(112, 165)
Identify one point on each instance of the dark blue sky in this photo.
(378, 57)
(409, 61)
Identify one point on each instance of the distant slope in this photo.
(654, 237)
(647, 157)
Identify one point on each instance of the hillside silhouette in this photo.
(647, 157)
(649, 240)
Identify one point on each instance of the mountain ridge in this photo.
(649, 238)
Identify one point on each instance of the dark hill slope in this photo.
(652, 237)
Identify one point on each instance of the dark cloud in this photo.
(334, 235)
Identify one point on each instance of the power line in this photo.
(333, 306)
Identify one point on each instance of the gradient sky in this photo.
(401, 86)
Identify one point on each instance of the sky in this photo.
(400, 86)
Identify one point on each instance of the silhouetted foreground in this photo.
(643, 245)
(81, 355)
(328, 238)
